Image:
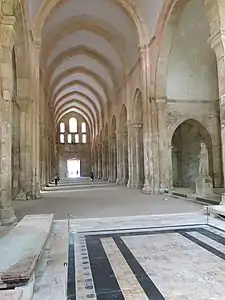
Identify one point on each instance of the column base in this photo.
(147, 190)
(22, 196)
(131, 186)
(38, 195)
(7, 216)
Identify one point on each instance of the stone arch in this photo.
(48, 6)
(186, 141)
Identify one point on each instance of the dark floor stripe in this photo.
(106, 285)
(140, 233)
(216, 237)
(146, 283)
(71, 275)
(204, 245)
(217, 228)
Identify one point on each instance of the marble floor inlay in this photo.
(171, 263)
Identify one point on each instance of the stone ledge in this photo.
(21, 249)
(11, 295)
(218, 209)
(195, 198)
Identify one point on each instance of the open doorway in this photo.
(73, 168)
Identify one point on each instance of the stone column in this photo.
(104, 162)
(95, 162)
(107, 159)
(15, 146)
(132, 157)
(125, 158)
(6, 43)
(99, 151)
(114, 155)
(119, 179)
(29, 139)
(139, 154)
(215, 10)
(147, 127)
(36, 187)
(164, 152)
(24, 124)
(46, 158)
(110, 161)
(42, 155)
(136, 149)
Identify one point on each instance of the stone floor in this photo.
(123, 245)
(150, 257)
(101, 201)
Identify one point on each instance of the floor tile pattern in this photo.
(171, 263)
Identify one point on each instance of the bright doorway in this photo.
(73, 168)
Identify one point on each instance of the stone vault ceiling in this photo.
(87, 49)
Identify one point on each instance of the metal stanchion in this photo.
(69, 222)
(207, 215)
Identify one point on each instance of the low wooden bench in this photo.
(21, 248)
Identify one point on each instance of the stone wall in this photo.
(81, 152)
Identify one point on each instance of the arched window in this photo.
(62, 139)
(83, 127)
(84, 138)
(76, 138)
(62, 127)
(69, 138)
(73, 125)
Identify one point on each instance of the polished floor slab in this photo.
(171, 262)
(142, 257)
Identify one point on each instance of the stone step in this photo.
(79, 187)
(80, 183)
(22, 249)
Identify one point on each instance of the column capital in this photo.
(144, 47)
(162, 99)
(7, 32)
(23, 103)
(121, 133)
(37, 44)
(216, 39)
(133, 124)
